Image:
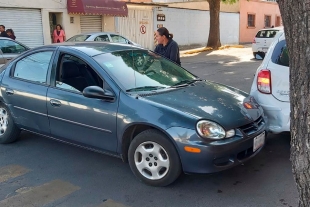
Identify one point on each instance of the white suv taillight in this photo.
(264, 81)
(254, 41)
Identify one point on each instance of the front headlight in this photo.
(209, 129)
(212, 130)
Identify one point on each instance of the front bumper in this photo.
(215, 156)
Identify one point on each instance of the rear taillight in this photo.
(264, 81)
(254, 40)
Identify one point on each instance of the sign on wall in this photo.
(161, 17)
(143, 29)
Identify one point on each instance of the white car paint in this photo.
(102, 37)
(277, 104)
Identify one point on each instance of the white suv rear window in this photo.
(266, 34)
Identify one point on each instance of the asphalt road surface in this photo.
(40, 172)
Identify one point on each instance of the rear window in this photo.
(280, 54)
(266, 33)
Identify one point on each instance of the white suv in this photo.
(270, 86)
(263, 39)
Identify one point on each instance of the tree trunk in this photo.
(296, 20)
(214, 32)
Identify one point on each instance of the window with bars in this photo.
(251, 20)
(267, 21)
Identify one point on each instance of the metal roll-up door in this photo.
(26, 24)
(91, 23)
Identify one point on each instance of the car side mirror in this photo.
(97, 92)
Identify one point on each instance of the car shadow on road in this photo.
(268, 176)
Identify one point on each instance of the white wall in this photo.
(191, 27)
(35, 4)
(53, 6)
(130, 27)
(229, 28)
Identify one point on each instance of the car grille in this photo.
(253, 127)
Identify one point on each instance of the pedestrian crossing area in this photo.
(41, 195)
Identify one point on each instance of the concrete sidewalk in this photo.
(186, 50)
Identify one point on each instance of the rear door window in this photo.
(33, 67)
(266, 33)
(102, 38)
(9, 47)
(119, 39)
(280, 54)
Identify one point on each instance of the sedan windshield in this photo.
(142, 70)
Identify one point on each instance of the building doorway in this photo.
(54, 19)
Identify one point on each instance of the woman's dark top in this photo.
(12, 37)
(170, 51)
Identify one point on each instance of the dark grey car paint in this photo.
(27, 100)
(91, 121)
(101, 124)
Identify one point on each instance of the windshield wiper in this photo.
(145, 88)
(184, 83)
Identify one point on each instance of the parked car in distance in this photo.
(270, 86)
(9, 49)
(262, 41)
(130, 103)
(102, 37)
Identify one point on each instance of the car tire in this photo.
(8, 130)
(262, 54)
(153, 159)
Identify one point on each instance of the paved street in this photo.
(41, 172)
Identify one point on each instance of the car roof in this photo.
(95, 48)
(5, 38)
(281, 36)
(273, 28)
(96, 33)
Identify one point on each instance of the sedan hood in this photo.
(211, 101)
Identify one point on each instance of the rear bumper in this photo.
(277, 112)
(215, 156)
(256, 48)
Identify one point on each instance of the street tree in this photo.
(296, 20)
(214, 32)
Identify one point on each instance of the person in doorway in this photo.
(3, 33)
(167, 47)
(11, 34)
(59, 34)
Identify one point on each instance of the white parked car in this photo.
(270, 86)
(263, 40)
(101, 37)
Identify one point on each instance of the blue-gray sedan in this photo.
(129, 103)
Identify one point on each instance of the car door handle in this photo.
(9, 58)
(9, 91)
(55, 102)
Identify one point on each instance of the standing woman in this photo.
(167, 47)
(59, 34)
